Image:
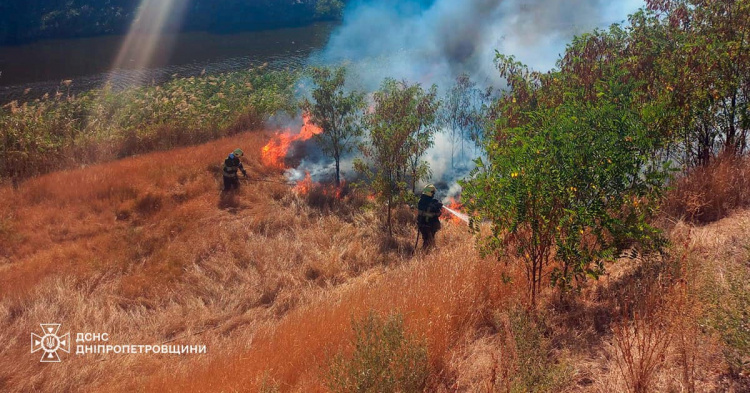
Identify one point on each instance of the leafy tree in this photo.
(402, 128)
(711, 78)
(464, 113)
(566, 181)
(337, 113)
(691, 62)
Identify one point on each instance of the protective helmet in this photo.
(429, 190)
(238, 152)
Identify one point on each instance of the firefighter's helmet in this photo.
(429, 190)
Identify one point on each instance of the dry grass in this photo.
(147, 250)
(442, 297)
(708, 194)
(144, 249)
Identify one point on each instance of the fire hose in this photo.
(256, 180)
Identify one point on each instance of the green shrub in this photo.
(528, 363)
(564, 186)
(385, 359)
(729, 317)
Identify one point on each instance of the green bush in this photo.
(729, 316)
(385, 359)
(528, 364)
(564, 186)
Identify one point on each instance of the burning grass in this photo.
(275, 152)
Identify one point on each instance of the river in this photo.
(29, 71)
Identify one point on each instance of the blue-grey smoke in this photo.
(434, 41)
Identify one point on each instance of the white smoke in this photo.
(434, 41)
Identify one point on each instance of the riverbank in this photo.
(65, 129)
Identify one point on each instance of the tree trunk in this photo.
(338, 171)
(390, 199)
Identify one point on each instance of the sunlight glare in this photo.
(146, 34)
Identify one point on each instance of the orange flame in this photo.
(456, 206)
(274, 153)
(305, 185)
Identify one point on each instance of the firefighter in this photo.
(231, 165)
(428, 221)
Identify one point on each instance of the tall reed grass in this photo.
(61, 131)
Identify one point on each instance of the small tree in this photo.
(336, 112)
(565, 185)
(464, 113)
(402, 128)
(386, 358)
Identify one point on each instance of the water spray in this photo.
(460, 216)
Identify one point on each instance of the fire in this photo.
(304, 186)
(454, 207)
(274, 153)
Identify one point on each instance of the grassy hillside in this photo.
(272, 280)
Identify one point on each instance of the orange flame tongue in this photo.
(304, 186)
(456, 206)
(274, 153)
(307, 185)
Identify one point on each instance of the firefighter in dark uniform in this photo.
(231, 165)
(428, 215)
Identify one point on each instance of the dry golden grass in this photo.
(710, 193)
(443, 297)
(147, 250)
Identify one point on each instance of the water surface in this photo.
(34, 69)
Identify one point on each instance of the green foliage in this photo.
(729, 316)
(528, 363)
(337, 113)
(402, 128)
(689, 62)
(55, 132)
(566, 184)
(385, 359)
(465, 113)
(706, 55)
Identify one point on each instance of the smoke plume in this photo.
(433, 41)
